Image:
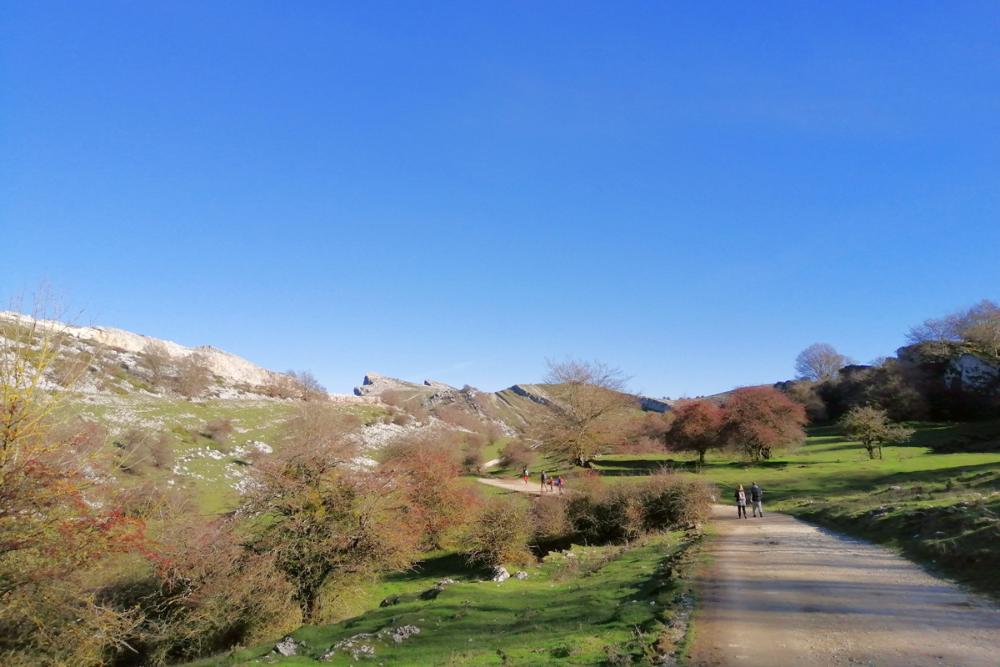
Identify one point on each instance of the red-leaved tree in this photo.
(697, 427)
(759, 420)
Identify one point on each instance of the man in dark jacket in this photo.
(757, 499)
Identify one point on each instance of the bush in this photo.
(549, 518)
(206, 594)
(671, 502)
(472, 459)
(500, 534)
(219, 430)
(599, 514)
(516, 454)
(138, 449)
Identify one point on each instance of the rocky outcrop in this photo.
(112, 350)
(970, 372)
(529, 392)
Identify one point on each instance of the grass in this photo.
(602, 605)
(940, 509)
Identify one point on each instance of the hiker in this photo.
(551, 480)
(559, 484)
(741, 503)
(545, 478)
(757, 499)
(524, 474)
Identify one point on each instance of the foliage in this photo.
(500, 533)
(207, 593)
(56, 523)
(516, 455)
(760, 420)
(439, 503)
(324, 522)
(602, 514)
(872, 428)
(696, 427)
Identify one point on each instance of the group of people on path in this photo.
(756, 497)
(550, 484)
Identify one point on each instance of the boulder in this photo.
(389, 601)
(287, 647)
(500, 574)
(521, 575)
(402, 633)
(432, 592)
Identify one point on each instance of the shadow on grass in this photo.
(446, 565)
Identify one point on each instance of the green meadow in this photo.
(585, 606)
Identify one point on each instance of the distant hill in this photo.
(95, 359)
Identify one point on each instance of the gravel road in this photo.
(777, 591)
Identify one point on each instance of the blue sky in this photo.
(691, 191)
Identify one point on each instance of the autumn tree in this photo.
(205, 593)
(586, 410)
(872, 428)
(759, 420)
(697, 427)
(819, 362)
(56, 524)
(328, 524)
(430, 470)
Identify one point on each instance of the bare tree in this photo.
(819, 362)
(586, 412)
(978, 325)
(193, 376)
(156, 359)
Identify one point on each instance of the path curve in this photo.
(533, 486)
(777, 591)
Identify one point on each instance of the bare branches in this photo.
(819, 362)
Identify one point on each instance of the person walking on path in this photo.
(524, 474)
(757, 499)
(741, 502)
(559, 484)
(545, 478)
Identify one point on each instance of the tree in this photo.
(759, 420)
(871, 427)
(587, 406)
(820, 362)
(157, 361)
(500, 533)
(696, 427)
(978, 325)
(57, 525)
(193, 376)
(327, 525)
(441, 503)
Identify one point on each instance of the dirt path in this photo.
(515, 484)
(778, 591)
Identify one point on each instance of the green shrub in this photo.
(500, 534)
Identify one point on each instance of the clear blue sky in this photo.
(691, 191)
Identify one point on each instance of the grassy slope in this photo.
(208, 466)
(940, 509)
(605, 601)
